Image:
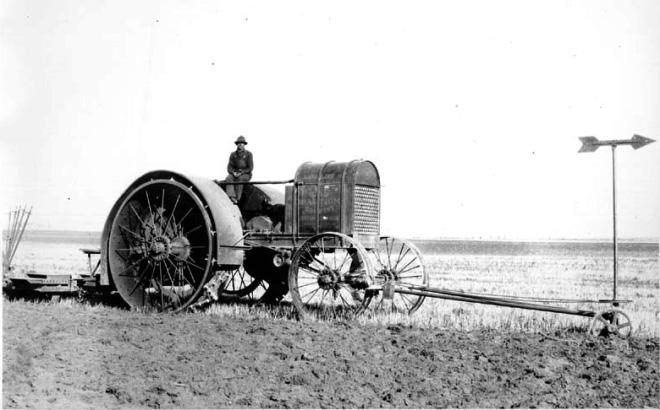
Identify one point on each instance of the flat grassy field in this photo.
(544, 270)
(551, 270)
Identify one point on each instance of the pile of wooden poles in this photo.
(18, 219)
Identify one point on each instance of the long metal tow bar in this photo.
(497, 301)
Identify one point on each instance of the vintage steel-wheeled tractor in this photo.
(172, 241)
(170, 235)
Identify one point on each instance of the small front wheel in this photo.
(329, 275)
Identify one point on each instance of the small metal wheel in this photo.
(611, 322)
(242, 284)
(328, 276)
(161, 246)
(398, 264)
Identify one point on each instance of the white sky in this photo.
(470, 109)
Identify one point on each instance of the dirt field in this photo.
(68, 355)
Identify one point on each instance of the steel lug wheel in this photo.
(160, 246)
(329, 275)
(398, 264)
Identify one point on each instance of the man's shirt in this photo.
(240, 161)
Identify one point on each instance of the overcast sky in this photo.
(471, 110)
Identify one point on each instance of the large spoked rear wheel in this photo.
(399, 263)
(160, 247)
(328, 276)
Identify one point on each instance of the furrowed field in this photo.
(69, 354)
(562, 270)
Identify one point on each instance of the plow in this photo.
(175, 243)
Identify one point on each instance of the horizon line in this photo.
(438, 238)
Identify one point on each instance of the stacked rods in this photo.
(18, 219)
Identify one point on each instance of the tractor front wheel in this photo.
(329, 275)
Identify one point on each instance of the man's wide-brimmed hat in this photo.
(240, 139)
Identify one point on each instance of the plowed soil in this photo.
(68, 356)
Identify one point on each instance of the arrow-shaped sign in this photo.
(591, 144)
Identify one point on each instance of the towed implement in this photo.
(174, 242)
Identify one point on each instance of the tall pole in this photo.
(614, 242)
(591, 144)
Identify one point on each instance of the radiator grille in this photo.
(366, 210)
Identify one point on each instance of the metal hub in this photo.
(180, 248)
(160, 247)
(328, 279)
(388, 274)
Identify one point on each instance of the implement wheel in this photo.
(328, 276)
(242, 284)
(399, 263)
(160, 246)
(611, 322)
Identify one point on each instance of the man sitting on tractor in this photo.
(239, 168)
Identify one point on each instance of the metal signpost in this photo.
(591, 144)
